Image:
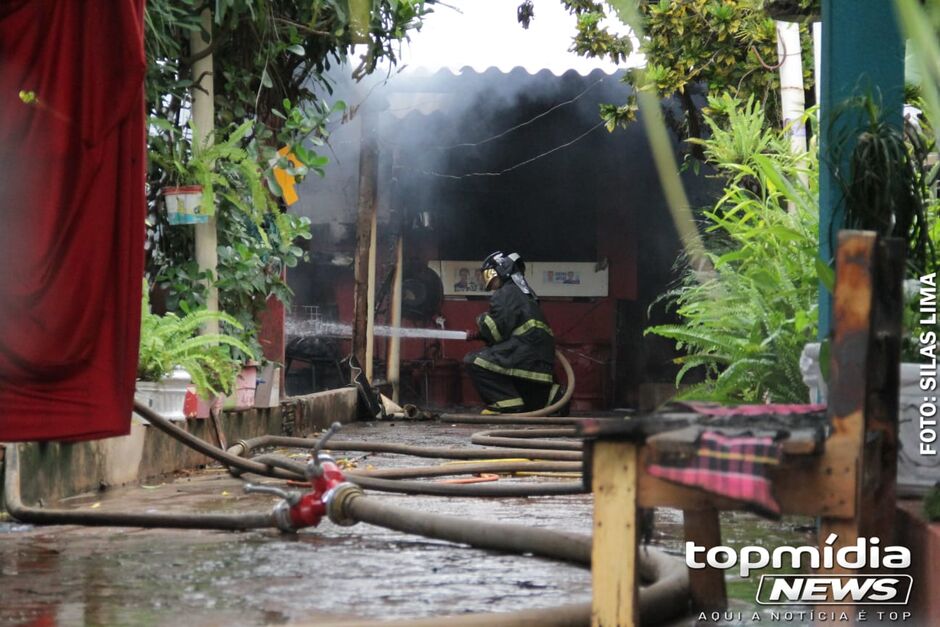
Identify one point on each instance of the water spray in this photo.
(319, 328)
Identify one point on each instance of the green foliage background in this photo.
(720, 46)
(746, 322)
(268, 56)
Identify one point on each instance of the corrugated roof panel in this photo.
(425, 93)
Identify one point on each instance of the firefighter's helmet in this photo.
(508, 267)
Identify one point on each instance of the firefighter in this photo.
(514, 372)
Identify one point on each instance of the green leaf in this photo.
(826, 274)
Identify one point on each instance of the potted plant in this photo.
(173, 353)
(196, 172)
(888, 183)
(242, 395)
(891, 188)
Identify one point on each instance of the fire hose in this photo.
(42, 516)
(280, 467)
(523, 438)
(667, 578)
(663, 596)
(505, 467)
(345, 504)
(569, 391)
(381, 484)
(537, 417)
(415, 487)
(243, 447)
(283, 468)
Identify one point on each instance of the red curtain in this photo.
(72, 207)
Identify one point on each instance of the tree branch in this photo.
(303, 27)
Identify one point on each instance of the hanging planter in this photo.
(198, 172)
(184, 205)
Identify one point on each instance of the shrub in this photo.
(170, 340)
(746, 322)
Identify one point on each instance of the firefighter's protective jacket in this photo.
(519, 341)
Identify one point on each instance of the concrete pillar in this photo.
(204, 122)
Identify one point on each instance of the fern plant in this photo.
(168, 341)
(746, 322)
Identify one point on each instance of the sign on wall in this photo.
(563, 279)
(460, 278)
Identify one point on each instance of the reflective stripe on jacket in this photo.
(519, 341)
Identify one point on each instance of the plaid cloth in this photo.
(733, 466)
(765, 409)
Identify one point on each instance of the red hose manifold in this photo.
(310, 508)
(298, 510)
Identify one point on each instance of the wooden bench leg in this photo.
(614, 551)
(707, 585)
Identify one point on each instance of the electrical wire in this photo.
(512, 167)
(527, 122)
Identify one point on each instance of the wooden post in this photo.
(863, 403)
(703, 527)
(614, 550)
(370, 292)
(394, 352)
(207, 256)
(850, 365)
(362, 295)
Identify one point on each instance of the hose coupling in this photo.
(284, 512)
(282, 517)
(242, 447)
(337, 501)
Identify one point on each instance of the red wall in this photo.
(585, 330)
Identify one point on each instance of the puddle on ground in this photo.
(99, 576)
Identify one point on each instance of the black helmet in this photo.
(506, 267)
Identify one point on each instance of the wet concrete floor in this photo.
(116, 576)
